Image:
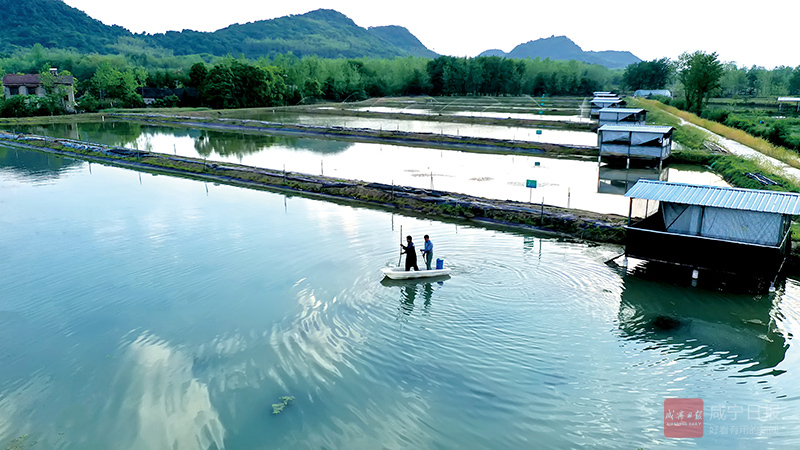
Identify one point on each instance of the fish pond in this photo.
(141, 311)
(572, 183)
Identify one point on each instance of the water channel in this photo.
(579, 184)
(141, 311)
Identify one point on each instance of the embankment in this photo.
(430, 140)
(431, 203)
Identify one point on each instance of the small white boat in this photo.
(399, 273)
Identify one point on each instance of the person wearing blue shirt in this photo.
(427, 252)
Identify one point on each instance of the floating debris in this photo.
(277, 408)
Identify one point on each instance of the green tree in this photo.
(648, 74)
(700, 74)
(794, 81)
(237, 84)
(116, 87)
(197, 75)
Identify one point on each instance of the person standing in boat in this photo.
(411, 254)
(427, 252)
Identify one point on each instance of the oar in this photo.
(401, 246)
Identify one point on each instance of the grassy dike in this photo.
(761, 145)
(429, 203)
(444, 141)
(580, 224)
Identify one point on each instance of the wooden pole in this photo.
(401, 246)
(541, 214)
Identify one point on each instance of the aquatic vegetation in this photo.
(277, 408)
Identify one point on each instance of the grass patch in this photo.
(734, 169)
(780, 153)
(687, 136)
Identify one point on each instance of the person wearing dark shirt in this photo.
(411, 255)
(427, 252)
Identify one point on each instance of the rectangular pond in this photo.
(560, 182)
(517, 133)
(141, 311)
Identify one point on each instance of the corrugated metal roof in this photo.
(716, 196)
(789, 99)
(606, 99)
(623, 110)
(637, 128)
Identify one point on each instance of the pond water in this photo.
(560, 182)
(492, 114)
(141, 311)
(528, 134)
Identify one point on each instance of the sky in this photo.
(747, 34)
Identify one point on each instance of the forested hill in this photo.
(402, 38)
(323, 32)
(562, 48)
(53, 23)
(326, 33)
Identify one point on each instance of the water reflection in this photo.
(614, 180)
(231, 144)
(738, 330)
(561, 182)
(411, 289)
(163, 405)
(34, 166)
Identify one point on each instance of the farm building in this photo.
(599, 103)
(622, 116)
(782, 100)
(652, 92)
(33, 84)
(605, 94)
(635, 142)
(733, 230)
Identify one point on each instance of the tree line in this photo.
(699, 76)
(116, 80)
(729, 80)
(104, 81)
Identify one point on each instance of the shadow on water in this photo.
(33, 165)
(739, 329)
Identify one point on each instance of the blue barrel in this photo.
(439, 264)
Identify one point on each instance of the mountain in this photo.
(562, 48)
(324, 32)
(53, 23)
(403, 39)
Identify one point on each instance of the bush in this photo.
(717, 115)
(166, 102)
(88, 103)
(18, 106)
(678, 103)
